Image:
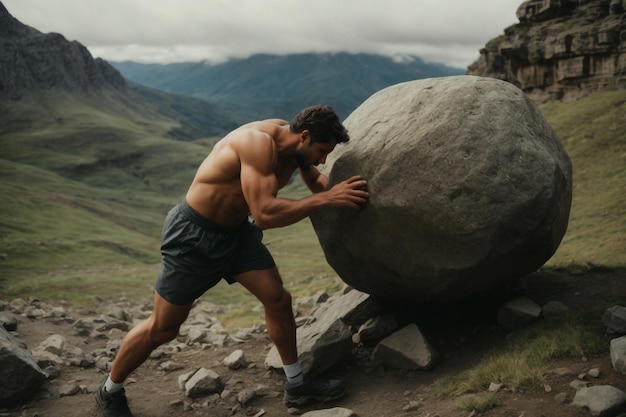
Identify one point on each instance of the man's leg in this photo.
(267, 286)
(161, 327)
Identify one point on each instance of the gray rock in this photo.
(406, 349)
(618, 354)
(326, 341)
(235, 360)
(377, 328)
(183, 378)
(518, 312)
(8, 322)
(21, 377)
(202, 383)
(614, 319)
(68, 389)
(330, 412)
(601, 400)
(469, 187)
(78, 357)
(53, 344)
(554, 309)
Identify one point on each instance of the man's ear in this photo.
(305, 135)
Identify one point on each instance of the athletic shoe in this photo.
(313, 389)
(113, 405)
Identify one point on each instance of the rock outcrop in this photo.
(469, 187)
(560, 50)
(31, 60)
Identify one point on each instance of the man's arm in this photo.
(315, 180)
(260, 188)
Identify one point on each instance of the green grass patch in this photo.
(524, 363)
(592, 132)
(477, 403)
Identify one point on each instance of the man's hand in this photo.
(349, 193)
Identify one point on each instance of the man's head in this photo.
(322, 123)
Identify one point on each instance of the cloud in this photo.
(190, 30)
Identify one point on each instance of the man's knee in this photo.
(160, 335)
(280, 300)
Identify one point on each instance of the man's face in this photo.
(313, 154)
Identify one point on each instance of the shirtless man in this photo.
(208, 237)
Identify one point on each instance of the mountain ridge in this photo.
(265, 85)
(33, 60)
(36, 65)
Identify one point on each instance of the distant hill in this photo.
(264, 86)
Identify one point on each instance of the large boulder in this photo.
(469, 187)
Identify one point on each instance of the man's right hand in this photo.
(349, 193)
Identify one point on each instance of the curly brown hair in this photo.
(322, 122)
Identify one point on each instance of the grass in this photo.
(592, 132)
(524, 364)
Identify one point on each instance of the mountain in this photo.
(31, 61)
(90, 164)
(263, 86)
(560, 50)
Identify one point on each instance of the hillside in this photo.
(263, 86)
(89, 164)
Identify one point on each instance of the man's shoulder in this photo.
(279, 122)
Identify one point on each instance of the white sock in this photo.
(294, 373)
(111, 387)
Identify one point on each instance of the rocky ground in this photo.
(462, 335)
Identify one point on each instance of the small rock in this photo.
(493, 387)
(561, 397)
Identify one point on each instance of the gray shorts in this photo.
(198, 253)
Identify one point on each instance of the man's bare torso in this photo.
(216, 191)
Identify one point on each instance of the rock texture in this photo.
(21, 377)
(32, 60)
(561, 49)
(469, 188)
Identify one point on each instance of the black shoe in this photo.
(113, 405)
(314, 389)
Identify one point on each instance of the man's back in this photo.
(216, 189)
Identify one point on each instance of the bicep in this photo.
(258, 180)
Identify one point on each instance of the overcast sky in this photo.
(163, 31)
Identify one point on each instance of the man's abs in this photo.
(223, 204)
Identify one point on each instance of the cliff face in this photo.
(560, 50)
(32, 60)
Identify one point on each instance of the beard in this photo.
(302, 163)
